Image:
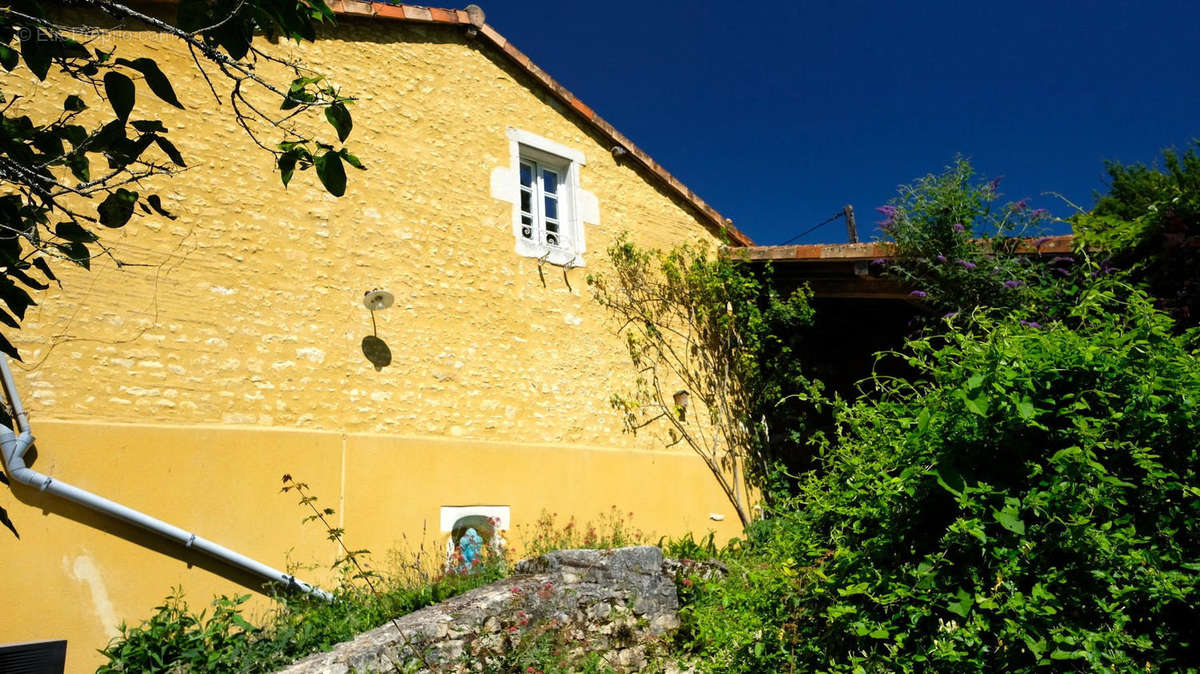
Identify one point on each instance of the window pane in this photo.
(526, 202)
(551, 226)
(551, 207)
(549, 181)
(526, 174)
(526, 220)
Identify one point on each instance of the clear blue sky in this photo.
(777, 114)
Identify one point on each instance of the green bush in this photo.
(176, 638)
(1149, 223)
(958, 249)
(1031, 503)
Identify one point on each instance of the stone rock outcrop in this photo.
(612, 602)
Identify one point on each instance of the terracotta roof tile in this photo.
(387, 11)
(491, 34)
(444, 15)
(583, 109)
(876, 249)
(357, 7)
(403, 12)
(417, 13)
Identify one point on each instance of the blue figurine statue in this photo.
(471, 546)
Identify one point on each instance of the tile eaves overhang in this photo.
(844, 270)
(472, 19)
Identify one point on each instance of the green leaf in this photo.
(1010, 517)
(80, 166)
(74, 133)
(74, 104)
(1025, 409)
(120, 92)
(963, 606)
(148, 126)
(351, 159)
(950, 479)
(9, 320)
(26, 279)
(7, 347)
(117, 208)
(76, 252)
(73, 232)
(331, 172)
(17, 299)
(9, 57)
(923, 420)
(977, 405)
(41, 264)
(287, 166)
(35, 50)
(155, 79)
(170, 150)
(339, 118)
(1036, 647)
(298, 93)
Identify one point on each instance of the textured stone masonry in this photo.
(616, 602)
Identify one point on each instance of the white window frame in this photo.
(566, 162)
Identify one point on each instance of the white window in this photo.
(548, 206)
(543, 213)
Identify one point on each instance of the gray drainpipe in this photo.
(13, 447)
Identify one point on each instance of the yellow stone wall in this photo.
(228, 352)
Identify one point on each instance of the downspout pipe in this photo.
(13, 447)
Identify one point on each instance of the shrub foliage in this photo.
(1031, 503)
(1149, 222)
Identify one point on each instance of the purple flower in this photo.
(959, 227)
(919, 294)
(995, 183)
(1042, 241)
(950, 315)
(1019, 206)
(965, 264)
(1032, 324)
(1039, 213)
(879, 261)
(940, 258)
(1012, 283)
(889, 213)
(1062, 272)
(1062, 258)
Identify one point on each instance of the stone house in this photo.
(235, 347)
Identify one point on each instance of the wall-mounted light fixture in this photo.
(377, 299)
(375, 349)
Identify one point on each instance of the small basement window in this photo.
(547, 221)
